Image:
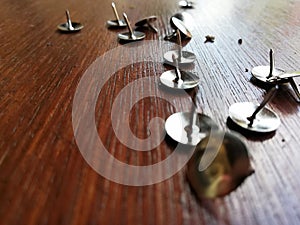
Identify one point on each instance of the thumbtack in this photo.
(147, 21)
(132, 35)
(117, 22)
(183, 57)
(69, 26)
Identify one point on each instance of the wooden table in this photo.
(44, 179)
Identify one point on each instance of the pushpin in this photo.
(178, 79)
(131, 35)
(219, 165)
(183, 57)
(70, 26)
(117, 22)
(272, 75)
(147, 21)
(255, 118)
(178, 25)
(189, 128)
(186, 4)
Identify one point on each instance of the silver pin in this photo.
(189, 128)
(183, 57)
(255, 118)
(117, 22)
(147, 21)
(274, 76)
(177, 24)
(186, 4)
(131, 35)
(70, 26)
(178, 79)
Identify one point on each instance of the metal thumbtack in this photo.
(178, 79)
(255, 118)
(183, 57)
(189, 128)
(131, 35)
(185, 4)
(117, 22)
(219, 165)
(147, 21)
(263, 73)
(177, 24)
(69, 26)
(274, 76)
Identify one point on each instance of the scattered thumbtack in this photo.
(186, 4)
(147, 21)
(132, 35)
(274, 76)
(240, 41)
(255, 118)
(69, 26)
(178, 79)
(219, 165)
(116, 22)
(189, 128)
(183, 57)
(177, 24)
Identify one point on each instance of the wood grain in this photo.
(43, 177)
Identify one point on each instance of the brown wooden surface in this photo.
(44, 178)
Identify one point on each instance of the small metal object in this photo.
(179, 79)
(147, 21)
(186, 4)
(272, 75)
(219, 165)
(117, 22)
(131, 35)
(282, 76)
(179, 127)
(183, 57)
(255, 118)
(69, 26)
(177, 24)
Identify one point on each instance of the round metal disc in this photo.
(65, 28)
(266, 120)
(262, 72)
(219, 165)
(185, 4)
(146, 20)
(178, 24)
(186, 58)
(189, 80)
(178, 124)
(137, 35)
(115, 23)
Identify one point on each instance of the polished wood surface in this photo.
(43, 177)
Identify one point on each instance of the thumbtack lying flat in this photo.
(131, 35)
(117, 22)
(178, 25)
(147, 21)
(70, 26)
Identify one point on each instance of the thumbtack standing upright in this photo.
(132, 35)
(116, 22)
(69, 26)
